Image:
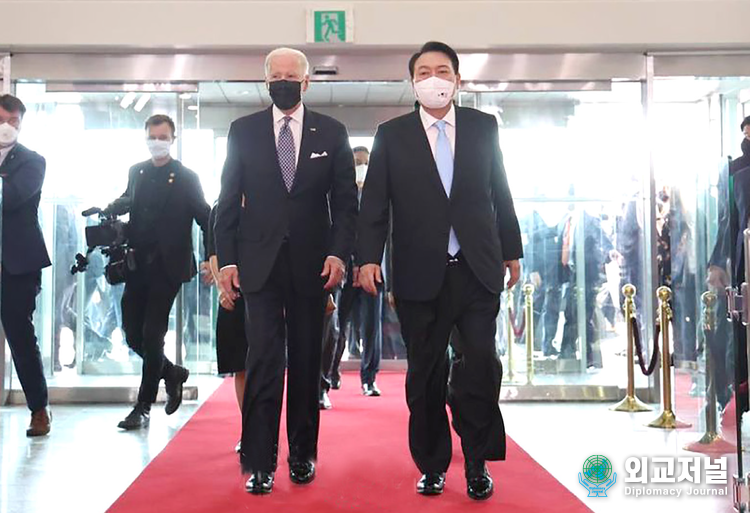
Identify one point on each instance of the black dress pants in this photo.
(17, 306)
(284, 330)
(146, 305)
(475, 372)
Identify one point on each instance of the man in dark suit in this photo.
(284, 249)
(163, 198)
(455, 235)
(24, 257)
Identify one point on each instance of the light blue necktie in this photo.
(444, 161)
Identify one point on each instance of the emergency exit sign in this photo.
(331, 25)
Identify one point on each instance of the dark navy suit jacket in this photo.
(23, 248)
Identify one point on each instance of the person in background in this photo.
(24, 255)
(231, 340)
(163, 198)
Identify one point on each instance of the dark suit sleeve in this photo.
(210, 241)
(24, 183)
(374, 210)
(229, 206)
(343, 197)
(200, 210)
(507, 222)
(720, 254)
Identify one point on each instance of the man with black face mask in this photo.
(284, 247)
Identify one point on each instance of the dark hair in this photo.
(745, 122)
(160, 119)
(12, 104)
(361, 148)
(434, 46)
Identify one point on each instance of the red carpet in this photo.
(364, 466)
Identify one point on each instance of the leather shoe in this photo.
(370, 390)
(260, 483)
(325, 402)
(136, 419)
(478, 481)
(301, 472)
(173, 385)
(40, 424)
(336, 383)
(431, 483)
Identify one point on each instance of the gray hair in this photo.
(303, 63)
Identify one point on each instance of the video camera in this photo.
(110, 235)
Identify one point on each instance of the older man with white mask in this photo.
(284, 227)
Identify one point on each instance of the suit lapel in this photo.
(309, 133)
(460, 152)
(421, 144)
(10, 160)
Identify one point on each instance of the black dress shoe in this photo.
(431, 484)
(260, 483)
(136, 419)
(478, 481)
(301, 472)
(370, 390)
(173, 385)
(336, 383)
(324, 403)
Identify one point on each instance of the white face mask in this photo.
(8, 134)
(159, 149)
(434, 92)
(361, 172)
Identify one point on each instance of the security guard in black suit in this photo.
(163, 198)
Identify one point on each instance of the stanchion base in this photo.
(631, 404)
(711, 443)
(668, 420)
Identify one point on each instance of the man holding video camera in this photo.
(163, 198)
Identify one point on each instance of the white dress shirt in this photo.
(295, 125)
(428, 121)
(4, 153)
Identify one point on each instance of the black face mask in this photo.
(285, 94)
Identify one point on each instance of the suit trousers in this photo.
(285, 330)
(17, 305)
(475, 372)
(146, 304)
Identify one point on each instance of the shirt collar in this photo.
(298, 115)
(5, 151)
(428, 120)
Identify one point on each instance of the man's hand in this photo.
(213, 264)
(369, 278)
(717, 277)
(206, 275)
(355, 277)
(226, 303)
(334, 269)
(229, 282)
(515, 272)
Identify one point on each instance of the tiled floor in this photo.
(87, 463)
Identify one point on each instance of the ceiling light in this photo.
(185, 96)
(142, 101)
(192, 107)
(127, 100)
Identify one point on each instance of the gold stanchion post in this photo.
(528, 291)
(711, 442)
(511, 335)
(667, 419)
(630, 403)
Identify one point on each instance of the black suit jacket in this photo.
(183, 203)
(23, 245)
(403, 176)
(316, 217)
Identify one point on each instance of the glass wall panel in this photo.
(577, 165)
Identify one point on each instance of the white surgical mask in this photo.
(434, 92)
(159, 149)
(8, 134)
(361, 172)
